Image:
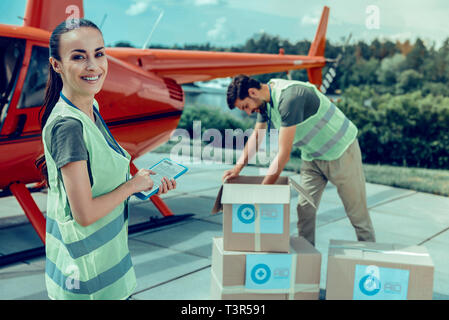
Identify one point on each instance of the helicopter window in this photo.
(11, 55)
(33, 91)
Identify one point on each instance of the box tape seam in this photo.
(380, 251)
(257, 228)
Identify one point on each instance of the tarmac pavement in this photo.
(174, 261)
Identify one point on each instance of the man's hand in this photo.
(286, 137)
(232, 173)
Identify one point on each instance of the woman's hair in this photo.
(54, 82)
(238, 89)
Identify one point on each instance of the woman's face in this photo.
(83, 66)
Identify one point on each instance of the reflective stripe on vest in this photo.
(333, 141)
(92, 285)
(323, 121)
(324, 135)
(94, 241)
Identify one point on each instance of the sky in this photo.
(232, 22)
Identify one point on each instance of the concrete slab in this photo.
(18, 238)
(410, 220)
(195, 286)
(214, 218)
(193, 237)
(23, 281)
(437, 246)
(191, 204)
(10, 207)
(430, 208)
(155, 264)
(209, 193)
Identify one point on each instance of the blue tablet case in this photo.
(142, 196)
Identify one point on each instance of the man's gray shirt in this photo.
(296, 104)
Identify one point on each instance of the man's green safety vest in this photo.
(90, 262)
(323, 136)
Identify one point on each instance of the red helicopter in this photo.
(141, 100)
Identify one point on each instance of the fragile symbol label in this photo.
(378, 283)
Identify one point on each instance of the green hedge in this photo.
(401, 130)
(406, 130)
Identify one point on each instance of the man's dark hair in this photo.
(238, 88)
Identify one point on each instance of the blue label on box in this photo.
(268, 271)
(271, 218)
(378, 283)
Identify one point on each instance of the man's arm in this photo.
(286, 137)
(251, 147)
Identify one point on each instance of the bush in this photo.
(410, 129)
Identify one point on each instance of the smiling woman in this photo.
(88, 175)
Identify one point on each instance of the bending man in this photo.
(326, 137)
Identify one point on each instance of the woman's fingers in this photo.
(166, 185)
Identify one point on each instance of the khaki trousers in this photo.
(346, 173)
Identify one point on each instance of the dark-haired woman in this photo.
(87, 173)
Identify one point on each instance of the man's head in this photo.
(246, 94)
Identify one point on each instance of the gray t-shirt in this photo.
(66, 143)
(296, 104)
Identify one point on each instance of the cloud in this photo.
(308, 20)
(219, 31)
(137, 7)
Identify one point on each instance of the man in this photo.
(328, 141)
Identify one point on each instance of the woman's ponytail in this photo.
(54, 83)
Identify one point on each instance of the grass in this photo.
(422, 180)
(418, 179)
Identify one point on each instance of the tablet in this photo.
(164, 168)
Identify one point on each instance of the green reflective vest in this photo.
(323, 136)
(90, 262)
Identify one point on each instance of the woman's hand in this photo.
(166, 185)
(142, 181)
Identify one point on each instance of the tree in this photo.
(390, 68)
(417, 56)
(409, 80)
(126, 44)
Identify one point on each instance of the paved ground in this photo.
(173, 262)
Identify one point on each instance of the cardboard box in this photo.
(265, 276)
(256, 217)
(375, 271)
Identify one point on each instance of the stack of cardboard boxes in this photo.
(256, 258)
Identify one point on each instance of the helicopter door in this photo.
(11, 56)
(22, 115)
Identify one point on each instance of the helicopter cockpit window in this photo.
(33, 91)
(11, 55)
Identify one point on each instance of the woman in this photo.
(87, 173)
